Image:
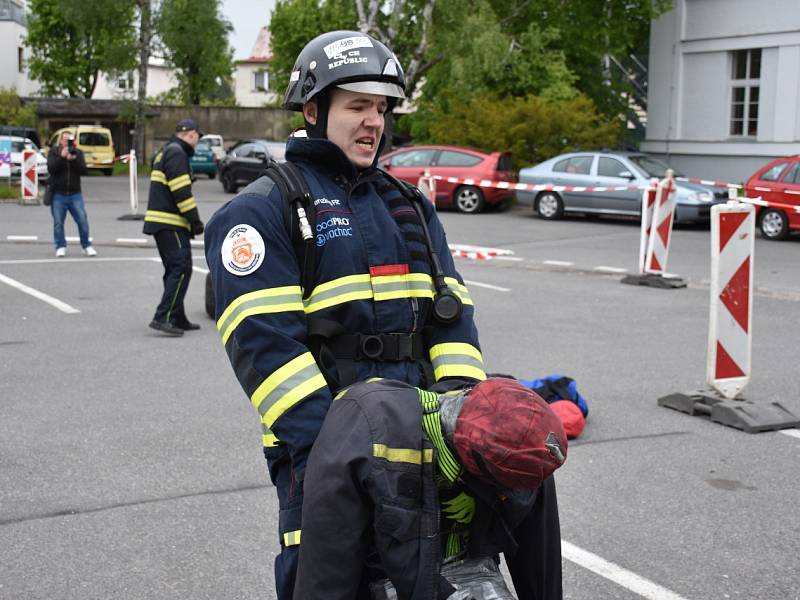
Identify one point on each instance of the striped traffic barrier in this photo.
(29, 180)
(728, 364)
(648, 202)
(133, 187)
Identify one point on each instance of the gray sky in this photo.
(247, 17)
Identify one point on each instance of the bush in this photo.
(12, 112)
(9, 191)
(532, 128)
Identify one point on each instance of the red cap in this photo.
(507, 435)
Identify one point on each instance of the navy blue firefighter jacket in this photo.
(372, 276)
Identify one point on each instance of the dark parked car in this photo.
(246, 160)
(779, 181)
(611, 169)
(409, 164)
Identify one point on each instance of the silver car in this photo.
(610, 169)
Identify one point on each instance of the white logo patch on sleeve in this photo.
(243, 250)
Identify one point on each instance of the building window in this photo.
(21, 60)
(260, 81)
(745, 74)
(124, 82)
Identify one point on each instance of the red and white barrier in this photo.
(648, 202)
(29, 181)
(730, 330)
(427, 185)
(477, 252)
(533, 187)
(661, 226)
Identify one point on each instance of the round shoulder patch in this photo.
(242, 250)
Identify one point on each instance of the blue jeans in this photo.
(74, 204)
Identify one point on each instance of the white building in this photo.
(160, 79)
(13, 73)
(724, 86)
(251, 79)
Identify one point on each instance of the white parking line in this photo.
(131, 241)
(488, 286)
(791, 432)
(197, 242)
(75, 238)
(511, 258)
(62, 306)
(610, 269)
(558, 263)
(22, 238)
(622, 577)
(200, 270)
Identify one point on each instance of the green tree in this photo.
(195, 39)
(12, 112)
(71, 42)
(294, 23)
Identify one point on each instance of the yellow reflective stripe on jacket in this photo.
(366, 287)
(270, 439)
(402, 455)
(286, 387)
(291, 538)
(459, 289)
(158, 176)
(338, 291)
(187, 205)
(260, 302)
(410, 285)
(457, 359)
(179, 182)
(158, 216)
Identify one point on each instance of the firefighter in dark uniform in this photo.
(381, 270)
(172, 219)
(401, 480)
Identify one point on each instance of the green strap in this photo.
(449, 467)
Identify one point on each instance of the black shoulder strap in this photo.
(299, 215)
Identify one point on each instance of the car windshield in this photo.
(93, 138)
(651, 167)
(203, 146)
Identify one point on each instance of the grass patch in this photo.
(121, 168)
(9, 191)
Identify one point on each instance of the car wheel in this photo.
(774, 224)
(548, 205)
(209, 296)
(212, 175)
(469, 199)
(227, 182)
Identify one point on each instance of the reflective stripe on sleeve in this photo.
(291, 538)
(402, 455)
(460, 290)
(287, 386)
(273, 300)
(179, 182)
(158, 216)
(158, 176)
(270, 439)
(457, 359)
(187, 205)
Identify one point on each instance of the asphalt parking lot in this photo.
(130, 465)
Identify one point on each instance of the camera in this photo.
(71, 147)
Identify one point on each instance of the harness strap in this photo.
(449, 467)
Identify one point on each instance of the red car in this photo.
(779, 182)
(409, 164)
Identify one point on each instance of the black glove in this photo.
(197, 227)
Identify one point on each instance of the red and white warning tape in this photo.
(538, 187)
(477, 252)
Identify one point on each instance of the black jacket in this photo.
(170, 204)
(371, 492)
(65, 175)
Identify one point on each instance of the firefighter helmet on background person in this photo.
(350, 60)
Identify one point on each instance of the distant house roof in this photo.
(81, 107)
(262, 50)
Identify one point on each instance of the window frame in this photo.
(430, 162)
(438, 163)
(748, 122)
(254, 82)
(601, 158)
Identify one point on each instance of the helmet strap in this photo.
(320, 128)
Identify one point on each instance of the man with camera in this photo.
(65, 164)
(172, 219)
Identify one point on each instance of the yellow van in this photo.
(95, 142)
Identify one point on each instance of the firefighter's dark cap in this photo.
(188, 125)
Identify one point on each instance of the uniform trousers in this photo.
(176, 255)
